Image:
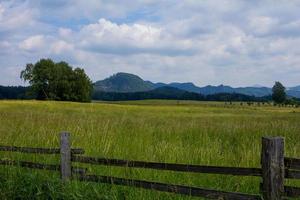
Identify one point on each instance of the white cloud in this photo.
(4, 44)
(1, 11)
(60, 47)
(15, 17)
(233, 42)
(136, 34)
(65, 32)
(91, 9)
(262, 24)
(45, 45)
(108, 37)
(33, 43)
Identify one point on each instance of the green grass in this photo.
(205, 133)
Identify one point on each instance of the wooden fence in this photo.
(275, 168)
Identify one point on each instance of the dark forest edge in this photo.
(167, 93)
(15, 92)
(170, 93)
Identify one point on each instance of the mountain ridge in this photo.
(168, 92)
(126, 82)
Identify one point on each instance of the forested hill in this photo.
(125, 82)
(167, 92)
(124, 86)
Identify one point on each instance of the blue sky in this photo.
(232, 42)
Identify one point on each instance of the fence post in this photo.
(272, 160)
(65, 156)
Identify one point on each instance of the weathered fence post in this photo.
(272, 160)
(65, 156)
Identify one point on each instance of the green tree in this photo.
(279, 95)
(57, 81)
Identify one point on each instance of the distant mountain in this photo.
(158, 85)
(164, 92)
(167, 92)
(254, 91)
(125, 82)
(293, 93)
(207, 90)
(296, 88)
(186, 86)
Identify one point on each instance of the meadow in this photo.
(206, 133)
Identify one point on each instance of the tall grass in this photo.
(161, 131)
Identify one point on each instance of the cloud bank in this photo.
(233, 42)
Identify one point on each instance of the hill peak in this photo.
(125, 74)
(123, 82)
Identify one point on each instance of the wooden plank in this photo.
(177, 189)
(79, 171)
(273, 167)
(65, 156)
(30, 165)
(33, 165)
(77, 151)
(239, 171)
(293, 192)
(38, 150)
(292, 163)
(292, 174)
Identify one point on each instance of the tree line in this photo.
(58, 81)
(14, 92)
(19, 92)
(154, 94)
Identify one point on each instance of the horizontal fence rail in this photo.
(275, 168)
(292, 192)
(239, 171)
(33, 165)
(178, 189)
(38, 150)
(292, 163)
(292, 174)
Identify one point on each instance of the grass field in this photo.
(162, 131)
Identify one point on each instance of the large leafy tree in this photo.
(57, 81)
(279, 95)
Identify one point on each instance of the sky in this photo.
(207, 42)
